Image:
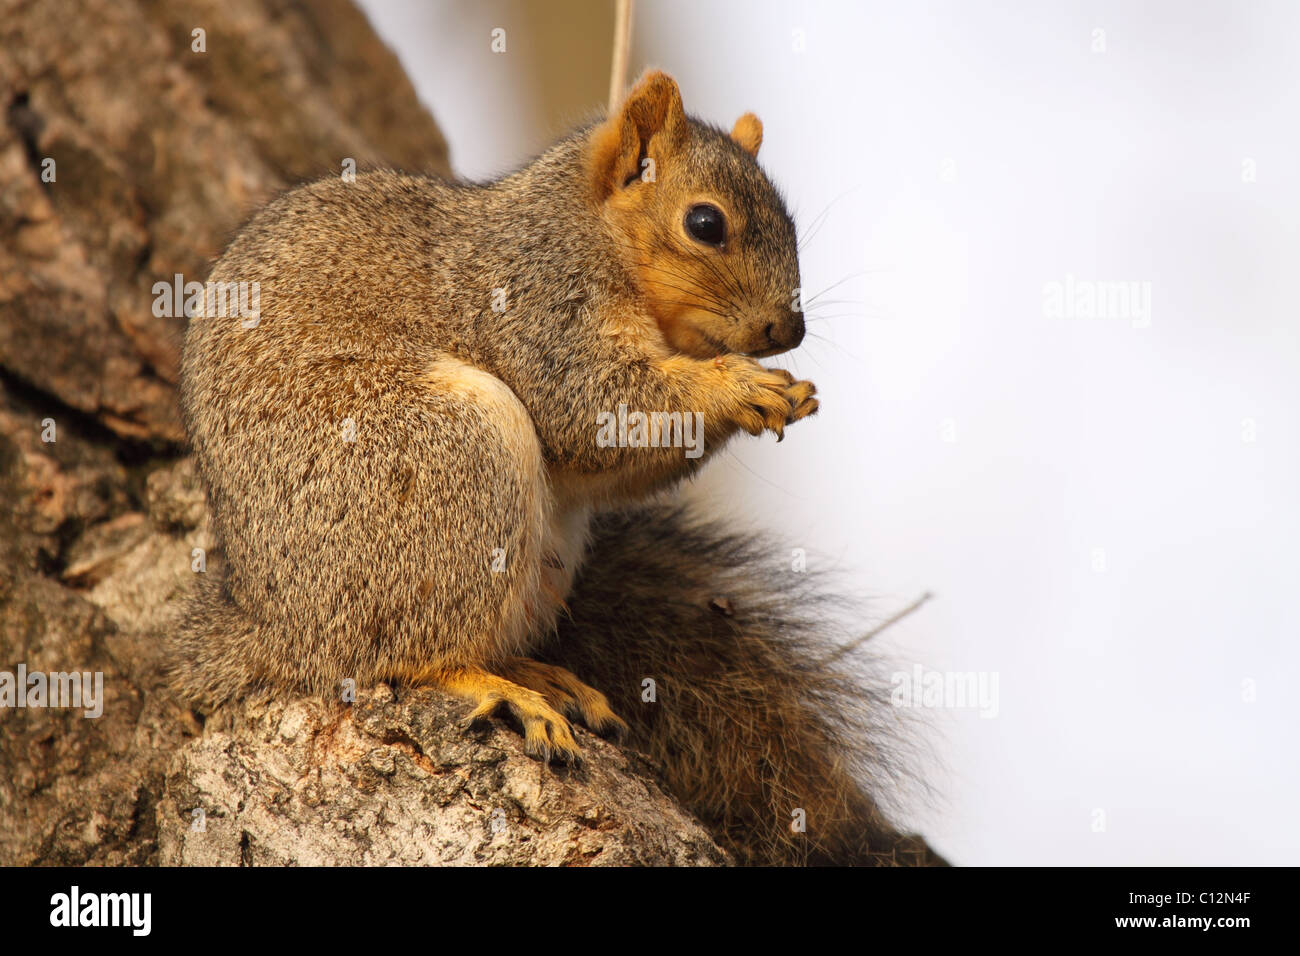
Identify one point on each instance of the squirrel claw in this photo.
(613, 728)
(551, 740)
(774, 398)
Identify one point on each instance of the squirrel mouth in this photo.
(701, 344)
(720, 348)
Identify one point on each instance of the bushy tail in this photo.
(752, 720)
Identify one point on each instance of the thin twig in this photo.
(622, 46)
(858, 642)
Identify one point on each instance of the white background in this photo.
(967, 154)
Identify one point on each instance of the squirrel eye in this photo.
(706, 223)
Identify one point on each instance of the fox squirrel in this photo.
(403, 469)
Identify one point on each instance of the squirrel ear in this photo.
(650, 124)
(748, 132)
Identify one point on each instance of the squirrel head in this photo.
(698, 224)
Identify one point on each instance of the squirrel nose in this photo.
(787, 333)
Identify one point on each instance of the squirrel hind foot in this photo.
(548, 736)
(567, 694)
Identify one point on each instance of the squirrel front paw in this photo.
(767, 398)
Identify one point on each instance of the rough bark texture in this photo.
(158, 153)
(398, 781)
(82, 580)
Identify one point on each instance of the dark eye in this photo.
(706, 223)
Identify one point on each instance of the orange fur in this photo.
(748, 132)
